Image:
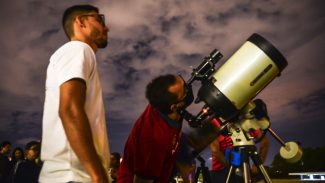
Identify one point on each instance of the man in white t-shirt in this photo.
(75, 145)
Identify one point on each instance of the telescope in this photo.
(246, 73)
(228, 93)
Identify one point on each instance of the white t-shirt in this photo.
(74, 59)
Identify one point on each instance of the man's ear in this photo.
(173, 107)
(80, 21)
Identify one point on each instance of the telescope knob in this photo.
(291, 152)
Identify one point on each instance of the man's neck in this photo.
(175, 117)
(92, 45)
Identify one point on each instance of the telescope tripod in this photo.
(242, 159)
(203, 170)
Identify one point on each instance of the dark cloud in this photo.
(143, 50)
(311, 104)
(19, 125)
(120, 131)
(170, 23)
(246, 9)
(45, 35)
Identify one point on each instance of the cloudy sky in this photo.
(149, 38)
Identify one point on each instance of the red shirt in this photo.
(151, 148)
(224, 142)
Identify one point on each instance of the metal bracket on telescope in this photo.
(206, 68)
(199, 120)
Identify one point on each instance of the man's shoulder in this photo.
(74, 46)
(71, 50)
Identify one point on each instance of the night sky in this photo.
(149, 38)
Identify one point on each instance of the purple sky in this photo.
(149, 38)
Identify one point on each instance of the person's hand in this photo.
(256, 176)
(254, 170)
(100, 177)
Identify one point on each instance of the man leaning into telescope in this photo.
(153, 144)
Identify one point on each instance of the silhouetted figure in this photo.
(114, 166)
(28, 170)
(17, 155)
(4, 160)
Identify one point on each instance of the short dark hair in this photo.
(33, 143)
(71, 13)
(116, 155)
(158, 95)
(14, 151)
(4, 143)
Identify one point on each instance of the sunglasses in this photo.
(99, 17)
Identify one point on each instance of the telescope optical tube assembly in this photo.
(248, 71)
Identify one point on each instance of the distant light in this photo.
(310, 175)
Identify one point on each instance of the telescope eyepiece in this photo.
(206, 68)
(215, 56)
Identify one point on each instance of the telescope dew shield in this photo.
(250, 69)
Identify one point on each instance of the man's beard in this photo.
(101, 43)
(98, 38)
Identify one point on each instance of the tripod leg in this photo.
(266, 176)
(258, 163)
(198, 171)
(245, 153)
(206, 175)
(246, 174)
(229, 174)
